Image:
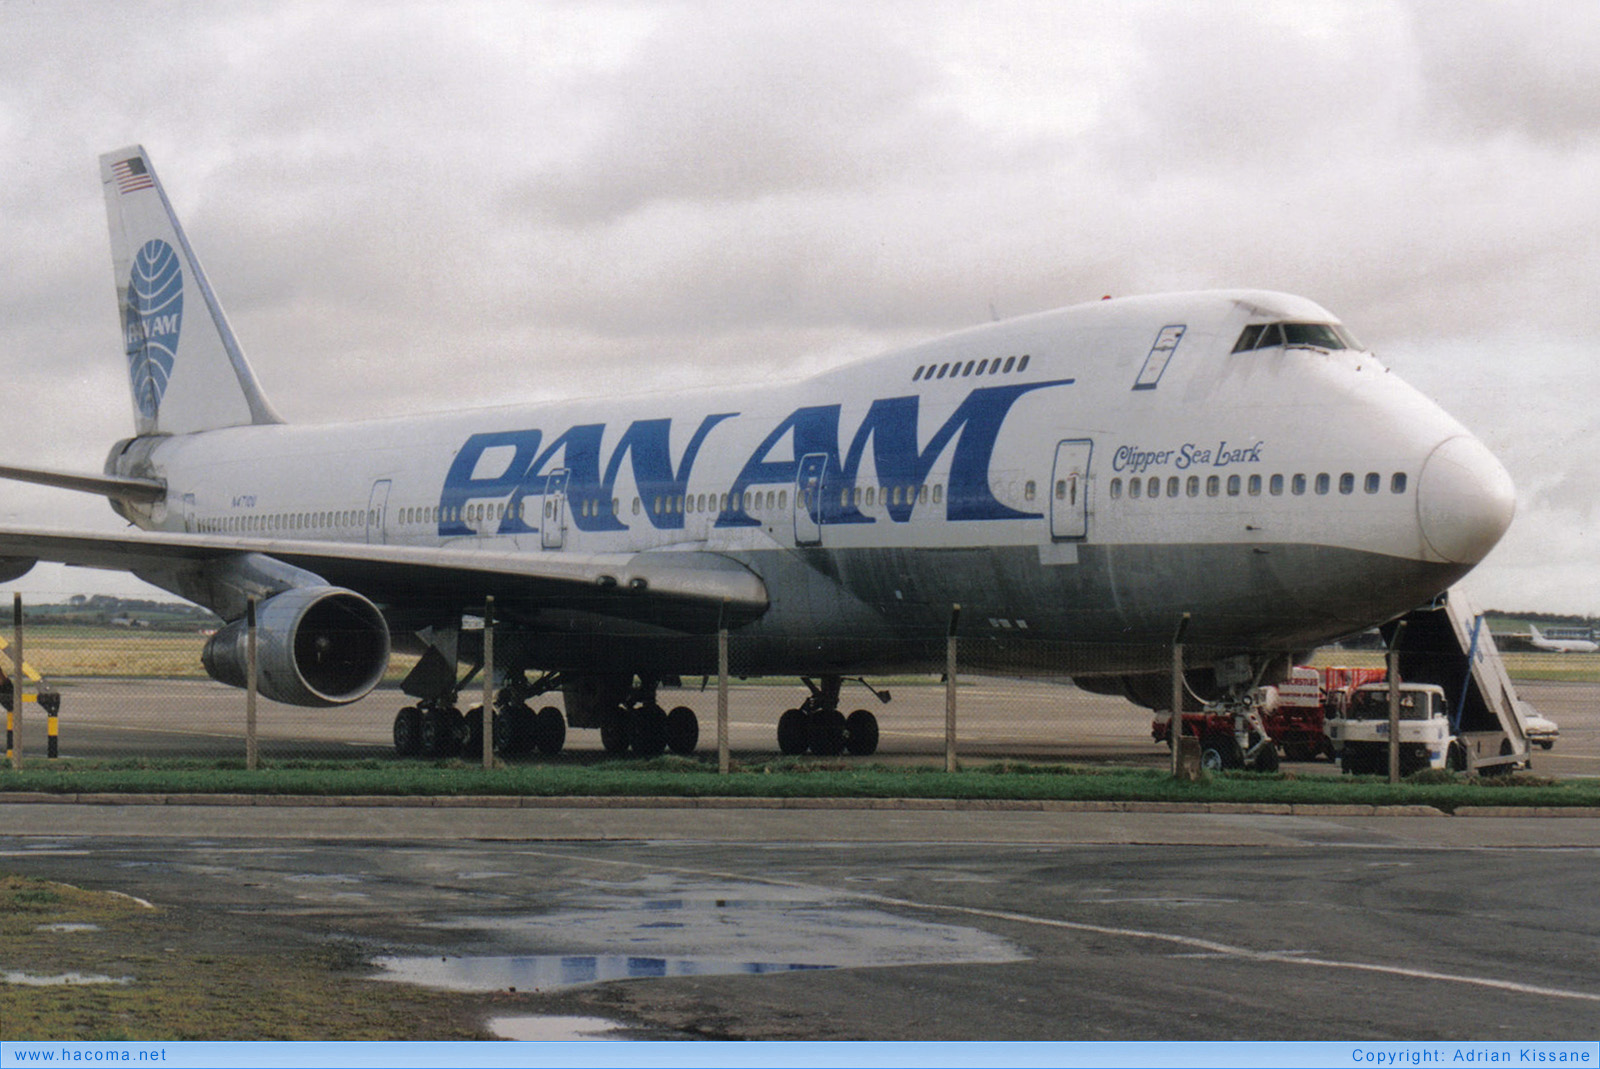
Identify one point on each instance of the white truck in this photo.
(1359, 730)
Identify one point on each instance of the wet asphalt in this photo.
(959, 923)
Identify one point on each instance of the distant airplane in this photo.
(1561, 645)
(1075, 480)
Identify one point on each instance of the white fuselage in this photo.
(1124, 465)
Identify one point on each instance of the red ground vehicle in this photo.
(1293, 713)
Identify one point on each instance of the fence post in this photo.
(488, 682)
(723, 761)
(1393, 665)
(1175, 725)
(950, 691)
(252, 750)
(17, 680)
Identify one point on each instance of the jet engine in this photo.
(315, 646)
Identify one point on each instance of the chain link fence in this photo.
(131, 686)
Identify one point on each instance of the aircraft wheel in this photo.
(793, 733)
(441, 732)
(1267, 758)
(408, 732)
(683, 730)
(472, 740)
(614, 730)
(649, 731)
(549, 730)
(861, 733)
(827, 733)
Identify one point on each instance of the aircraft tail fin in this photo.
(185, 368)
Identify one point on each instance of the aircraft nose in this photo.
(1464, 500)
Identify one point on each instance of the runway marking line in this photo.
(1207, 946)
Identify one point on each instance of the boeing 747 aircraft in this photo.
(1075, 480)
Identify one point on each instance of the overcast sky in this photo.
(408, 206)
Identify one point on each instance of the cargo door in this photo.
(808, 484)
(1069, 494)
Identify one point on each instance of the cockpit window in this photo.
(1315, 335)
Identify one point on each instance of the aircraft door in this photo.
(553, 520)
(1069, 494)
(808, 485)
(378, 512)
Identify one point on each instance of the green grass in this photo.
(786, 778)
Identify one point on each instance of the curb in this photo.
(997, 805)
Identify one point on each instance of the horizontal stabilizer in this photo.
(116, 487)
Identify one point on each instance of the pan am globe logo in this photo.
(152, 319)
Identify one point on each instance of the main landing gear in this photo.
(435, 727)
(637, 724)
(819, 727)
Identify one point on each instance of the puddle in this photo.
(666, 926)
(553, 1028)
(67, 928)
(553, 972)
(65, 979)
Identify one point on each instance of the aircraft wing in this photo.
(681, 589)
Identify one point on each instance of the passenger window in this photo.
(968, 371)
(1028, 490)
(1153, 487)
(1233, 486)
(1374, 481)
(1322, 482)
(943, 368)
(1061, 489)
(917, 376)
(1397, 485)
(1299, 485)
(1213, 485)
(1172, 486)
(1135, 487)
(872, 497)
(772, 500)
(1255, 486)
(994, 366)
(922, 494)
(1275, 486)
(1116, 489)
(1347, 483)
(1009, 361)
(981, 365)
(783, 499)
(938, 493)
(1022, 365)
(1192, 488)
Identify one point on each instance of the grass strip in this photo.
(785, 778)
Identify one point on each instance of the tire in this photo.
(614, 730)
(647, 735)
(683, 730)
(472, 733)
(1267, 758)
(1456, 757)
(441, 732)
(861, 733)
(1545, 744)
(1219, 752)
(549, 731)
(793, 733)
(827, 733)
(408, 732)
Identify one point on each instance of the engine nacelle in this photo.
(315, 646)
